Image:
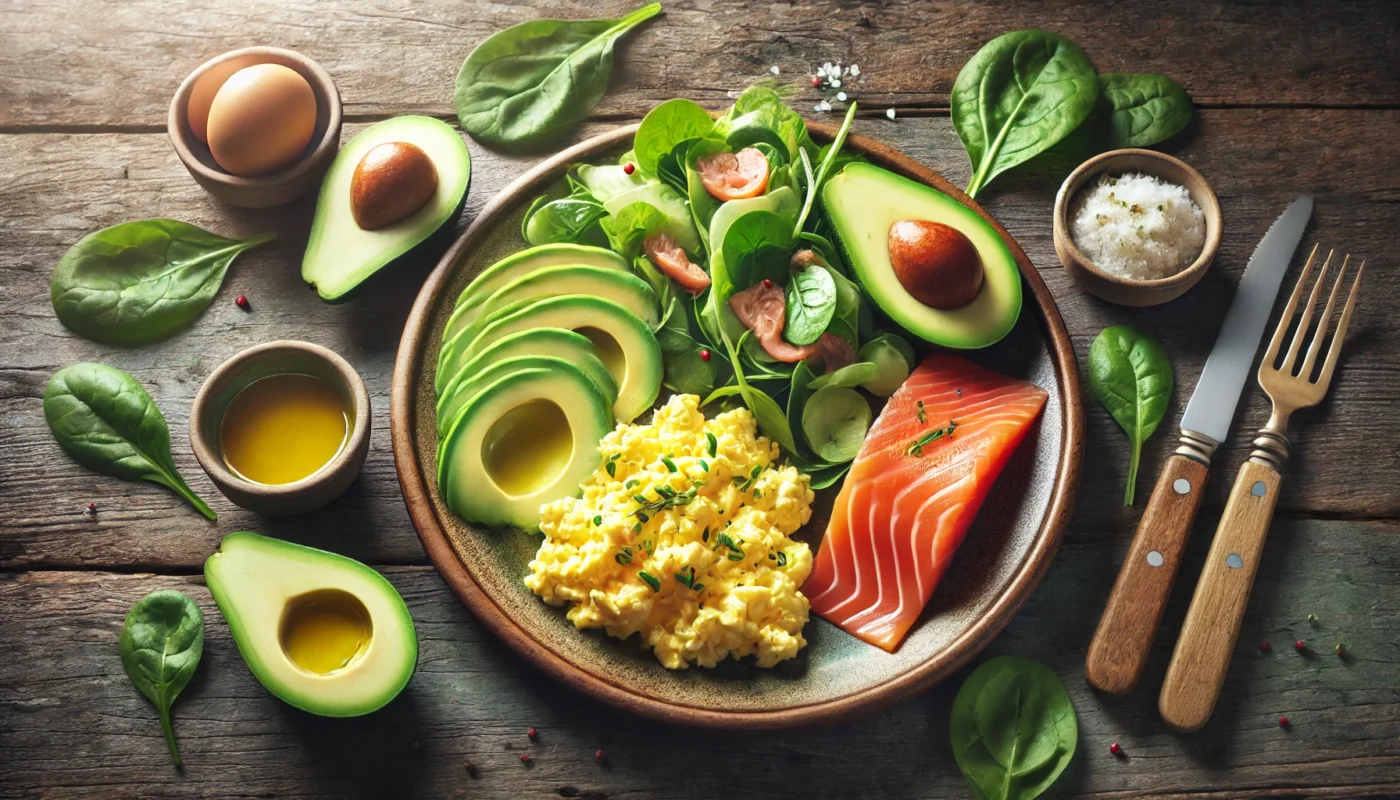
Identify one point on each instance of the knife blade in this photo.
(1217, 393)
(1125, 633)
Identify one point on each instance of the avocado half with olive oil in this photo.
(322, 632)
(930, 263)
(375, 204)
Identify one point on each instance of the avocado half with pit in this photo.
(529, 438)
(322, 632)
(360, 225)
(931, 264)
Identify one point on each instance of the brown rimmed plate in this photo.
(837, 676)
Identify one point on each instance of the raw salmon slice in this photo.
(904, 508)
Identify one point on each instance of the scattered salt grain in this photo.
(889, 112)
(855, 71)
(841, 96)
(1138, 226)
(774, 69)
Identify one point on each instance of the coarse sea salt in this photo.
(1137, 226)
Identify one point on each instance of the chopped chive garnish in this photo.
(917, 448)
(665, 491)
(625, 557)
(782, 559)
(598, 520)
(736, 552)
(758, 494)
(713, 442)
(705, 537)
(670, 465)
(736, 556)
(637, 528)
(612, 468)
(699, 587)
(757, 468)
(648, 546)
(640, 499)
(651, 580)
(704, 465)
(642, 517)
(687, 578)
(632, 484)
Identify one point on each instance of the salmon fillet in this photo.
(912, 493)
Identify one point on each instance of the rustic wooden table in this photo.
(1292, 97)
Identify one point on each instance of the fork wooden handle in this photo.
(1129, 623)
(1212, 626)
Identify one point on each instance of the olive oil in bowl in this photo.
(283, 428)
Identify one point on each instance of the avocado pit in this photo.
(935, 263)
(391, 182)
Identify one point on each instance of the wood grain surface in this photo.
(1295, 97)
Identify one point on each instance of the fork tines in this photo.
(1289, 365)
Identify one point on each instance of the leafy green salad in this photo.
(719, 216)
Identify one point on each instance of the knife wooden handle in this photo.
(1212, 625)
(1129, 623)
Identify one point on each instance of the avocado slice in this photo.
(863, 201)
(470, 382)
(340, 254)
(623, 341)
(529, 438)
(518, 265)
(322, 632)
(622, 287)
(549, 342)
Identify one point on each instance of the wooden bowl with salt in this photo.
(1131, 291)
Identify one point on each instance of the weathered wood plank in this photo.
(117, 62)
(72, 726)
(59, 187)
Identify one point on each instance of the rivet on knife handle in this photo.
(1129, 623)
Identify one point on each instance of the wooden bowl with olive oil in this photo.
(282, 428)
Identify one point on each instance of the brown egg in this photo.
(204, 89)
(392, 181)
(935, 263)
(261, 120)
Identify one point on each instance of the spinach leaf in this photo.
(1146, 108)
(627, 228)
(670, 170)
(141, 281)
(1013, 729)
(766, 411)
(1131, 375)
(814, 185)
(811, 304)
(530, 82)
(161, 645)
(676, 220)
(835, 420)
(757, 246)
(1021, 93)
(104, 419)
(564, 221)
(666, 126)
(761, 115)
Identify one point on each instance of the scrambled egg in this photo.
(681, 535)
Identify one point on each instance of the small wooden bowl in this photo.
(279, 358)
(268, 190)
(1127, 291)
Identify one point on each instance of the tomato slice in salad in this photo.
(674, 263)
(734, 176)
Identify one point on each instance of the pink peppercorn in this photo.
(241, 302)
(532, 733)
(1263, 647)
(704, 355)
(629, 168)
(1115, 749)
(1283, 722)
(1300, 646)
(525, 758)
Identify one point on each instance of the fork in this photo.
(1212, 625)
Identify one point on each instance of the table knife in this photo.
(1129, 624)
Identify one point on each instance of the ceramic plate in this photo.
(837, 676)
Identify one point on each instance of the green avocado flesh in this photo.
(622, 341)
(476, 376)
(518, 265)
(340, 254)
(863, 201)
(527, 439)
(623, 288)
(322, 632)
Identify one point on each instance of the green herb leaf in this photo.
(670, 465)
(532, 81)
(824, 171)
(1146, 108)
(104, 419)
(916, 449)
(1021, 93)
(666, 126)
(624, 558)
(811, 304)
(1013, 729)
(140, 281)
(650, 580)
(713, 444)
(161, 645)
(611, 467)
(1131, 375)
